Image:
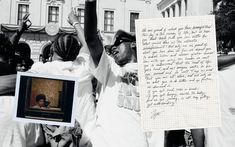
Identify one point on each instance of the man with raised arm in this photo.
(118, 111)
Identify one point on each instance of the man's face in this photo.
(41, 103)
(122, 53)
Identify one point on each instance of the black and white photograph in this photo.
(95, 42)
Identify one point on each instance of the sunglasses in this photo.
(110, 48)
(116, 43)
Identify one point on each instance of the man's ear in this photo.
(133, 45)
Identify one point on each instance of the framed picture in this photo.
(46, 99)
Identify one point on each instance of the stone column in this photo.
(177, 13)
(167, 13)
(182, 8)
(171, 11)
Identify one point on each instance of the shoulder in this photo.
(36, 67)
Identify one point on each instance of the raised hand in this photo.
(26, 23)
(72, 18)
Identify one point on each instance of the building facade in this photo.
(176, 8)
(112, 16)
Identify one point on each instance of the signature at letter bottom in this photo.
(155, 113)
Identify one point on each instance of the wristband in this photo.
(75, 23)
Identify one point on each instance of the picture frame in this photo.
(45, 99)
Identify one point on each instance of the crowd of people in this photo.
(107, 108)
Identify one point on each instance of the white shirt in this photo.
(118, 116)
(85, 107)
(225, 135)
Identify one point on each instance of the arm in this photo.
(72, 19)
(90, 29)
(16, 37)
(24, 26)
(198, 137)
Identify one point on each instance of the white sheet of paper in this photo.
(178, 73)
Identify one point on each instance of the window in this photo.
(53, 14)
(80, 15)
(108, 21)
(22, 10)
(133, 17)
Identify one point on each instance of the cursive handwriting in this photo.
(176, 55)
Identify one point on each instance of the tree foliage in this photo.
(225, 21)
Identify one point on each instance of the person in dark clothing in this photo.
(40, 101)
(22, 55)
(8, 60)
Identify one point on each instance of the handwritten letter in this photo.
(177, 63)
